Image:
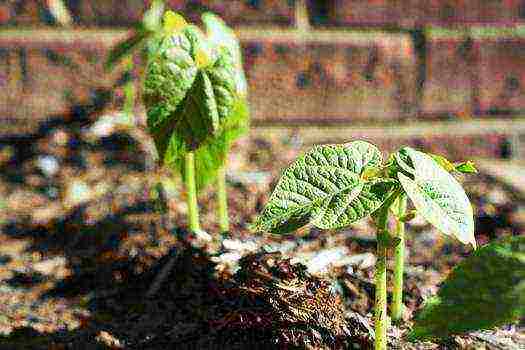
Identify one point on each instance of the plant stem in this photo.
(191, 190)
(222, 200)
(129, 94)
(399, 260)
(380, 280)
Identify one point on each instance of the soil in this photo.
(94, 254)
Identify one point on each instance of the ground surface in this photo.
(83, 241)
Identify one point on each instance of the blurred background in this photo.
(79, 209)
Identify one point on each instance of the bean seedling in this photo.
(195, 96)
(332, 186)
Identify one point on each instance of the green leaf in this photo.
(467, 167)
(438, 197)
(324, 187)
(485, 290)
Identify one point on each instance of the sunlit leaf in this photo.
(467, 167)
(438, 197)
(190, 96)
(324, 187)
(444, 162)
(485, 290)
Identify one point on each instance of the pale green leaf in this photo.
(223, 36)
(324, 187)
(439, 197)
(485, 290)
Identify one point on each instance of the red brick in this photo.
(119, 12)
(37, 83)
(410, 12)
(453, 147)
(450, 71)
(364, 12)
(356, 80)
(501, 74)
(463, 11)
(239, 11)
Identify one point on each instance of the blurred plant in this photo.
(485, 290)
(332, 186)
(195, 94)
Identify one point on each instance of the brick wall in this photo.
(306, 61)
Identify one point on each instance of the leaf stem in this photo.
(399, 259)
(222, 200)
(191, 190)
(380, 280)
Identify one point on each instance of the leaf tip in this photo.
(173, 22)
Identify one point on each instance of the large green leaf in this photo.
(324, 187)
(186, 96)
(485, 290)
(438, 197)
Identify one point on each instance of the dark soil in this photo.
(86, 232)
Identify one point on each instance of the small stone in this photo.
(78, 192)
(497, 196)
(48, 165)
(238, 245)
(108, 340)
(47, 267)
(322, 260)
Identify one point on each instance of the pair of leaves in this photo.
(195, 95)
(485, 290)
(325, 187)
(331, 186)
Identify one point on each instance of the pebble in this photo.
(78, 192)
(48, 165)
(321, 260)
(238, 245)
(47, 267)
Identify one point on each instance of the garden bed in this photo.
(84, 239)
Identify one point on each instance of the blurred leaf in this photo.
(485, 290)
(127, 47)
(153, 16)
(438, 197)
(191, 100)
(324, 186)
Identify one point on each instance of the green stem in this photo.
(222, 199)
(191, 190)
(399, 260)
(380, 280)
(129, 93)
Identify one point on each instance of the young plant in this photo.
(401, 216)
(485, 290)
(195, 97)
(332, 186)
